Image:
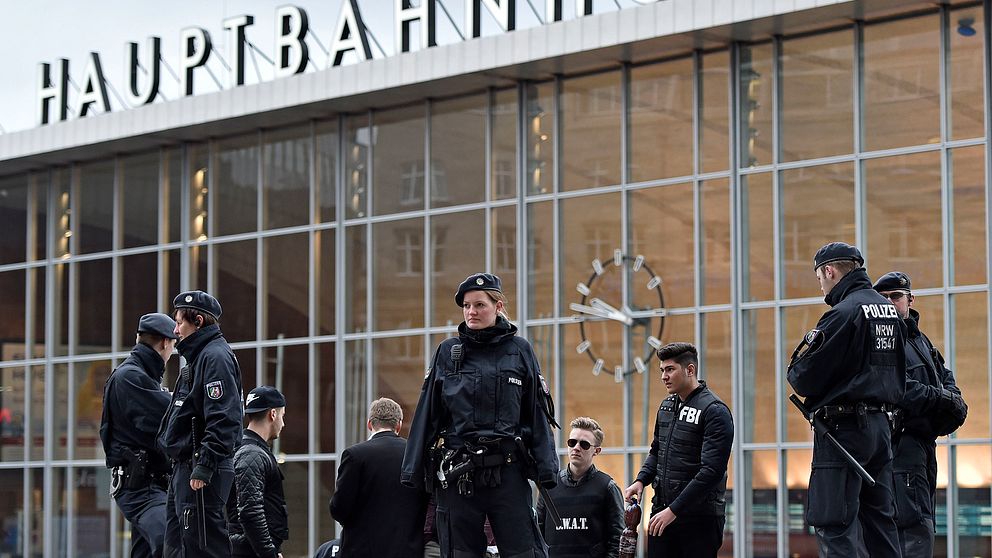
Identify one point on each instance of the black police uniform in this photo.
(591, 510)
(478, 398)
(687, 468)
(207, 396)
(932, 406)
(851, 371)
(134, 403)
(259, 518)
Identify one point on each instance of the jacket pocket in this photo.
(830, 495)
(910, 489)
(510, 389)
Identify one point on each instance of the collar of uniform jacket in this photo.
(913, 323)
(853, 281)
(151, 362)
(191, 345)
(490, 335)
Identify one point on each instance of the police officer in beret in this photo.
(932, 406)
(134, 403)
(259, 521)
(851, 369)
(202, 428)
(482, 426)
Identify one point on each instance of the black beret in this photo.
(837, 251)
(478, 282)
(263, 398)
(198, 300)
(892, 281)
(157, 324)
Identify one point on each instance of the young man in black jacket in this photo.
(257, 510)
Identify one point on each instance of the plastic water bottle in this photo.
(632, 518)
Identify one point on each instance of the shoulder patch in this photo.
(215, 390)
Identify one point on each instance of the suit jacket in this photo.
(381, 517)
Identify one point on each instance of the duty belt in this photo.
(847, 410)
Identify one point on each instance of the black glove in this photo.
(953, 404)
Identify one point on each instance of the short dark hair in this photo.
(189, 315)
(681, 352)
(257, 415)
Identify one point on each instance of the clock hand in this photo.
(582, 308)
(612, 312)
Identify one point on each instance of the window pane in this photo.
(199, 183)
(458, 151)
(287, 368)
(661, 225)
(760, 495)
(540, 260)
(296, 485)
(93, 313)
(967, 179)
(94, 219)
(964, 82)
(590, 125)
(89, 379)
(971, 359)
(398, 364)
(540, 138)
(758, 205)
(286, 177)
(661, 110)
(590, 228)
(246, 362)
(12, 325)
(172, 160)
(504, 251)
(796, 321)
(901, 83)
(358, 138)
(326, 249)
(903, 216)
(357, 396)
(12, 428)
(13, 219)
(714, 204)
(974, 511)
(817, 208)
(91, 523)
(235, 199)
(714, 118)
(236, 287)
(287, 281)
(802, 540)
(12, 513)
(757, 88)
(398, 274)
(716, 356)
(36, 277)
(38, 194)
(817, 96)
(138, 290)
(760, 406)
(504, 144)
(36, 391)
(458, 251)
(60, 428)
(60, 309)
(585, 393)
(326, 169)
(326, 417)
(324, 489)
(398, 160)
(170, 259)
(355, 277)
(140, 199)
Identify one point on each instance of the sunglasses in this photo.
(582, 443)
(894, 295)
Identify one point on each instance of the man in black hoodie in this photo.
(259, 521)
(931, 407)
(851, 369)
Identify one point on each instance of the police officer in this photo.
(134, 403)
(482, 392)
(588, 508)
(687, 463)
(259, 521)
(201, 429)
(851, 370)
(932, 406)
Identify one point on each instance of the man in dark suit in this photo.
(381, 517)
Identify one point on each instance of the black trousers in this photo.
(688, 537)
(144, 508)
(914, 467)
(842, 507)
(509, 507)
(183, 522)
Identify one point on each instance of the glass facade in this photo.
(692, 190)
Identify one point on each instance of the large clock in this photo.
(637, 321)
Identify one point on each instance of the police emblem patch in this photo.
(480, 281)
(189, 298)
(215, 390)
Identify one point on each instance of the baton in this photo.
(822, 429)
(529, 459)
(201, 507)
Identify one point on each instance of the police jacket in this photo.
(494, 390)
(259, 521)
(855, 353)
(923, 416)
(687, 463)
(208, 391)
(134, 403)
(591, 509)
